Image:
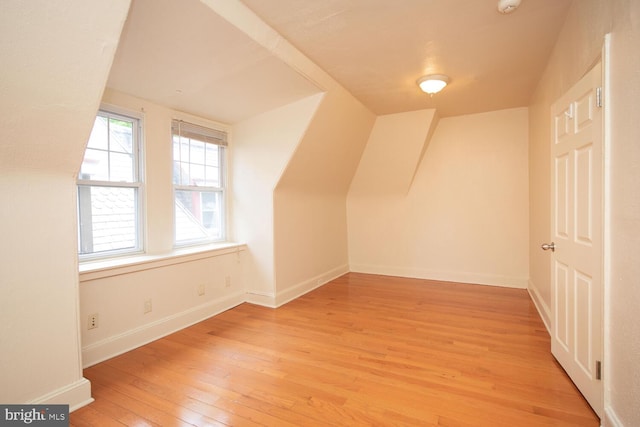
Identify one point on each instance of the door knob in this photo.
(547, 246)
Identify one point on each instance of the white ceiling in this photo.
(376, 49)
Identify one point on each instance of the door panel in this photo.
(562, 196)
(584, 290)
(576, 159)
(562, 308)
(584, 195)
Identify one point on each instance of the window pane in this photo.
(107, 219)
(212, 177)
(198, 215)
(212, 155)
(110, 153)
(176, 173)
(183, 173)
(121, 167)
(197, 152)
(184, 149)
(121, 135)
(95, 165)
(99, 136)
(176, 160)
(176, 148)
(197, 175)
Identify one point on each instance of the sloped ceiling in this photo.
(182, 54)
(51, 79)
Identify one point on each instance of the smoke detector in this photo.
(508, 6)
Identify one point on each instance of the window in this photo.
(109, 186)
(198, 179)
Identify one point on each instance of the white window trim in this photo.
(224, 190)
(139, 185)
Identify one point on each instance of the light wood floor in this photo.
(361, 350)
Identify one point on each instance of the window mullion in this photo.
(199, 189)
(89, 183)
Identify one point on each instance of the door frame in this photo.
(606, 225)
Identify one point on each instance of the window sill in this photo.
(92, 270)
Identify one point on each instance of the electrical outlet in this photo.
(201, 289)
(93, 321)
(148, 307)
(227, 282)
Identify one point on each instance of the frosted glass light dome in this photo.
(433, 83)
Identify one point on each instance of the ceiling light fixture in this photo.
(508, 6)
(433, 83)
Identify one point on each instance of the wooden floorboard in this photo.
(360, 350)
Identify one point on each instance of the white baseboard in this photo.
(261, 298)
(445, 276)
(541, 306)
(76, 395)
(300, 289)
(118, 344)
(610, 418)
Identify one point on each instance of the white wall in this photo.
(464, 217)
(118, 296)
(578, 47)
(51, 80)
(262, 147)
(39, 308)
(624, 293)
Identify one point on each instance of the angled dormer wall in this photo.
(262, 147)
(310, 215)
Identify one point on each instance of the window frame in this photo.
(222, 189)
(118, 113)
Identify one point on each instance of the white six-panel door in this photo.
(577, 213)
